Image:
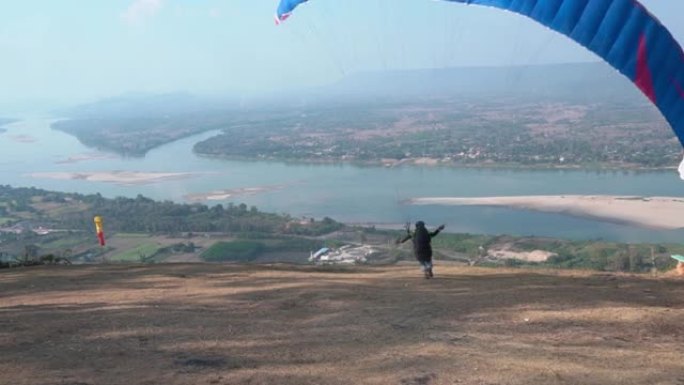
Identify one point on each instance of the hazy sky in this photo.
(84, 49)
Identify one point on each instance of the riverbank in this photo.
(663, 213)
(426, 162)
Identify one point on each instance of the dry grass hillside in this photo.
(248, 324)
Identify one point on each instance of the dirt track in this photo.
(223, 324)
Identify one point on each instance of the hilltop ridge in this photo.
(282, 324)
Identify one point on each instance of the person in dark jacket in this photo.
(422, 249)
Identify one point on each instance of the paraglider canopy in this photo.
(285, 9)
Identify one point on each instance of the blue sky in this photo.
(78, 50)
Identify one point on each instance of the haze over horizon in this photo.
(79, 50)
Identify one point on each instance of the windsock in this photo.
(98, 229)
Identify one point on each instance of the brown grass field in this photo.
(281, 324)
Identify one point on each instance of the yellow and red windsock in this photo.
(98, 229)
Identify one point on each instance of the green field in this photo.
(249, 250)
(132, 235)
(237, 251)
(145, 250)
(67, 242)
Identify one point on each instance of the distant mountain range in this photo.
(577, 82)
(134, 105)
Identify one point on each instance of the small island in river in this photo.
(125, 178)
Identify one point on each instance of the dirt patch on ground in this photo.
(509, 250)
(234, 324)
(528, 256)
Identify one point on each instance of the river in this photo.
(344, 192)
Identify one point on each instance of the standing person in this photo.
(422, 249)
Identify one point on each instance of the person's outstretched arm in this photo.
(408, 234)
(402, 240)
(440, 228)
